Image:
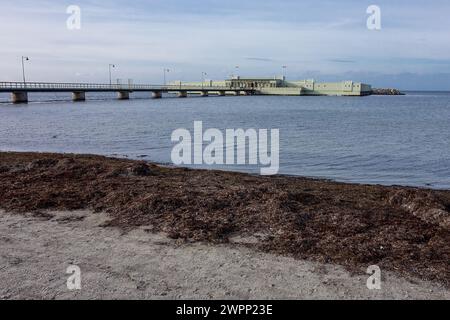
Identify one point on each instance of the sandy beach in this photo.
(139, 230)
(36, 251)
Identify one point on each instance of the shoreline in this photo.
(405, 230)
(145, 158)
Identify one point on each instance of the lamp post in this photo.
(284, 71)
(110, 78)
(23, 68)
(237, 71)
(165, 70)
(203, 78)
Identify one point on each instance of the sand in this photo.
(36, 251)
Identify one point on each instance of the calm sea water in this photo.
(403, 140)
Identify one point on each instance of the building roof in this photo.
(256, 79)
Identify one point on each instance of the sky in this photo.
(323, 40)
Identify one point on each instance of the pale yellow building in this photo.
(280, 86)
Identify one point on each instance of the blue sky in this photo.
(324, 40)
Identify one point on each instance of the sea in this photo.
(387, 140)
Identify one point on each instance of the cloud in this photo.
(260, 59)
(342, 61)
(189, 37)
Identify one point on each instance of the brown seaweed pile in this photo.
(406, 230)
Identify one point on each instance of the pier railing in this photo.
(49, 86)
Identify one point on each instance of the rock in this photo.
(41, 163)
(139, 170)
(387, 92)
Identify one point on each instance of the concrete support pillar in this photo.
(19, 97)
(182, 94)
(156, 94)
(79, 96)
(221, 93)
(204, 94)
(123, 95)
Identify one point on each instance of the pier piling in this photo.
(156, 94)
(123, 95)
(78, 96)
(19, 97)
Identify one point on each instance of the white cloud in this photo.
(141, 42)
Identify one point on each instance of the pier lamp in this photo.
(110, 78)
(284, 72)
(23, 68)
(203, 79)
(165, 70)
(237, 71)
